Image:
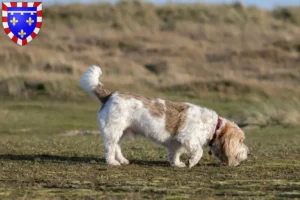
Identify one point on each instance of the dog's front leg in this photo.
(196, 154)
(174, 157)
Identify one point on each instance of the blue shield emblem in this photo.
(22, 21)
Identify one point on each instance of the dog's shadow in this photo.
(75, 159)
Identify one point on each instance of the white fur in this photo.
(90, 79)
(119, 114)
(122, 115)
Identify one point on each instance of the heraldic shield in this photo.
(22, 21)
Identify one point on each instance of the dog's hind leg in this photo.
(112, 126)
(112, 135)
(110, 147)
(120, 157)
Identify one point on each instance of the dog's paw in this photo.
(180, 164)
(192, 163)
(113, 163)
(124, 161)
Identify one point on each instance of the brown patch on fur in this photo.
(228, 138)
(102, 94)
(156, 109)
(175, 113)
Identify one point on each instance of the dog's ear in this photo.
(229, 139)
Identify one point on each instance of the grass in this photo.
(38, 161)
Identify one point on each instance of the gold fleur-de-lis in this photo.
(22, 33)
(29, 21)
(14, 21)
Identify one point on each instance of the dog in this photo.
(180, 127)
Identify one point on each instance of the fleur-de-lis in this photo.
(14, 21)
(22, 33)
(29, 21)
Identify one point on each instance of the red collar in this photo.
(215, 133)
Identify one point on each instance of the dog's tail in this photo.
(89, 81)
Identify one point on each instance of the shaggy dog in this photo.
(180, 127)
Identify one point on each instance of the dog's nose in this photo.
(249, 153)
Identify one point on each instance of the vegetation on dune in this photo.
(126, 13)
(161, 47)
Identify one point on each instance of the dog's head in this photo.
(229, 145)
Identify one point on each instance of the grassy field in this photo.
(42, 156)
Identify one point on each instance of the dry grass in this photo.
(264, 115)
(206, 50)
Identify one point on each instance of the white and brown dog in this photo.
(181, 127)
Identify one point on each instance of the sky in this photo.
(266, 4)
